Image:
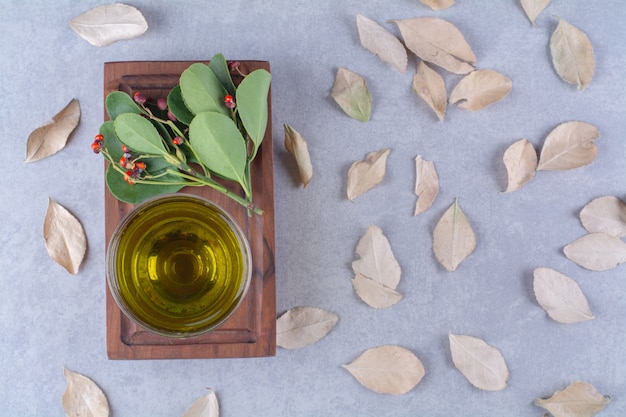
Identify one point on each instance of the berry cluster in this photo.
(134, 169)
(97, 143)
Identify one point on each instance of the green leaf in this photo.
(118, 102)
(253, 106)
(111, 142)
(202, 91)
(139, 134)
(220, 68)
(137, 193)
(219, 145)
(177, 106)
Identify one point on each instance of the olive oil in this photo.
(181, 265)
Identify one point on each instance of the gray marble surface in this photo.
(50, 319)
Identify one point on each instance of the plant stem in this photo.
(202, 180)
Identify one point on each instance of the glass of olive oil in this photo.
(178, 265)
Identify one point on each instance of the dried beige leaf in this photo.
(605, 215)
(374, 294)
(533, 8)
(453, 238)
(429, 85)
(377, 272)
(387, 369)
(520, 160)
(205, 406)
(560, 296)
(439, 42)
(351, 93)
(52, 137)
(438, 4)
(483, 365)
(103, 25)
(377, 261)
(64, 236)
(302, 326)
(82, 397)
(381, 42)
(480, 89)
(570, 145)
(297, 146)
(572, 55)
(366, 174)
(426, 184)
(597, 251)
(579, 399)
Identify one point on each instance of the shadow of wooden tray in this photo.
(251, 330)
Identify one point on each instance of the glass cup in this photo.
(178, 265)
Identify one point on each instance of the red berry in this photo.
(139, 98)
(96, 146)
(128, 177)
(162, 103)
(178, 140)
(229, 101)
(125, 149)
(139, 165)
(98, 138)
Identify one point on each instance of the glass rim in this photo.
(111, 272)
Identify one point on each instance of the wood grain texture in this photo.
(251, 331)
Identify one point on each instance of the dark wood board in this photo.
(251, 331)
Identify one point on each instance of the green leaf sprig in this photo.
(206, 129)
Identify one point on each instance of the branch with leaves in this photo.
(206, 130)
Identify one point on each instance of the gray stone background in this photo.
(50, 319)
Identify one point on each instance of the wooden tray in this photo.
(251, 331)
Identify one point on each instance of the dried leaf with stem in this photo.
(560, 296)
(426, 184)
(381, 42)
(520, 160)
(597, 251)
(438, 4)
(605, 215)
(480, 89)
(104, 25)
(351, 93)
(64, 237)
(82, 397)
(533, 8)
(570, 145)
(52, 137)
(302, 326)
(205, 406)
(366, 174)
(387, 369)
(579, 399)
(377, 272)
(429, 85)
(572, 55)
(297, 146)
(439, 42)
(483, 365)
(453, 238)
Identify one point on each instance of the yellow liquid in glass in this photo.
(180, 267)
